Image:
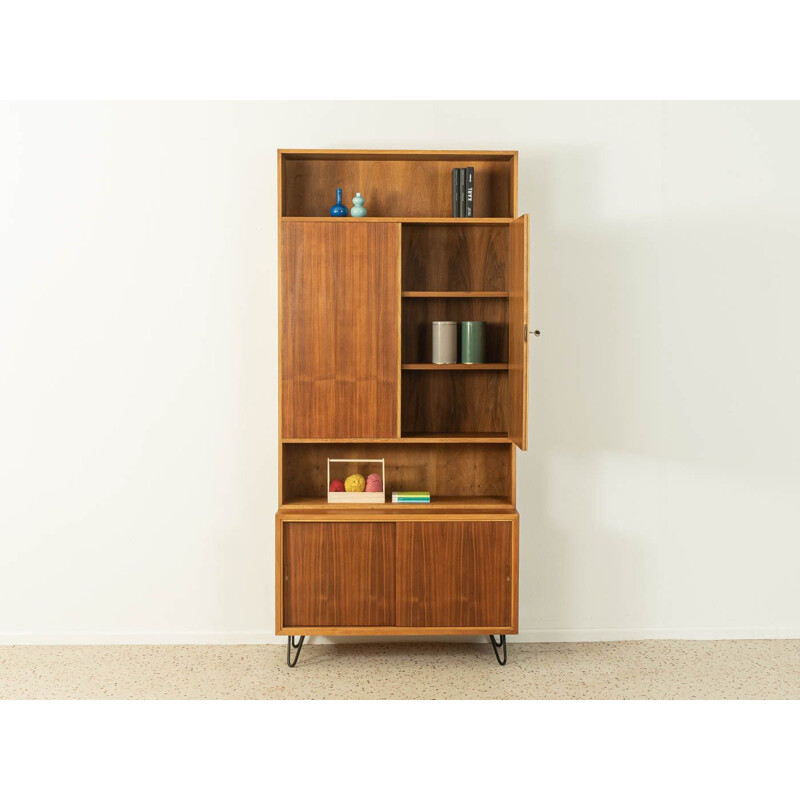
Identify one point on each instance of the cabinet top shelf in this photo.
(422, 438)
(397, 155)
(407, 220)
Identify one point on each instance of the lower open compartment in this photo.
(455, 474)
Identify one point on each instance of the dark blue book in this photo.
(455, 191)
(462, 192)
(469, 190)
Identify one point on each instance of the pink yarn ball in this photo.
(374, 483)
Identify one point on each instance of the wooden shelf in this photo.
(438, 438)
(458, 367)
(477, 438)
(447, 295)
(408, 220)
(438, 503)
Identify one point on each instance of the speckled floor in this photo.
(753, 669)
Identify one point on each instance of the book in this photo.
(411, 497)
(462, 192)
(469, 190)
(455, 191)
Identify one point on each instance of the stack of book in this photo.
(463, 191)
(411, 497)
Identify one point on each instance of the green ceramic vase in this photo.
(473, 342)
(358, 209)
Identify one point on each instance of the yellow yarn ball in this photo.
(354, 483)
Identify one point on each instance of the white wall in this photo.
(138, 362)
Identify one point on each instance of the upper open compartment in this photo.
(404, 184)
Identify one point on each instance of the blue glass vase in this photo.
(338, 210)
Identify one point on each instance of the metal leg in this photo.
(298, 646)
(496, 647)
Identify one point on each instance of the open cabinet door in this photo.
(518, 277)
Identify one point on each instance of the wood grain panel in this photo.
(419, 313)
(455, 257)
(393, 188)
(339, 323)
(518, 304)
(454, 402)
(455, 574)
(338, 573)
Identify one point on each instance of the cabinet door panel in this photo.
(338, 573)
(455, 574)
(339, 329)
(518, 279)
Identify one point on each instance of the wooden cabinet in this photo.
(356, 301)
(444, 575)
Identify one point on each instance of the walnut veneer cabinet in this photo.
(357, 298)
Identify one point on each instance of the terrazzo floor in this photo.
(753, 669)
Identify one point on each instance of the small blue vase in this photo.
(338, 210)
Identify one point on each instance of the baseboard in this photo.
(265, 637)
(641, 634)
(141, 637)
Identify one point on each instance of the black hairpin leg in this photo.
(496, 647)
(290, 643)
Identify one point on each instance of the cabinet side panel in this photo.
(454, 574)
(338, 573)
(339, 348)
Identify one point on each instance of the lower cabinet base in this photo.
(388, 575)
(392, 631)
(293, 649)
(385, 574)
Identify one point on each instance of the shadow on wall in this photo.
(660, 488)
